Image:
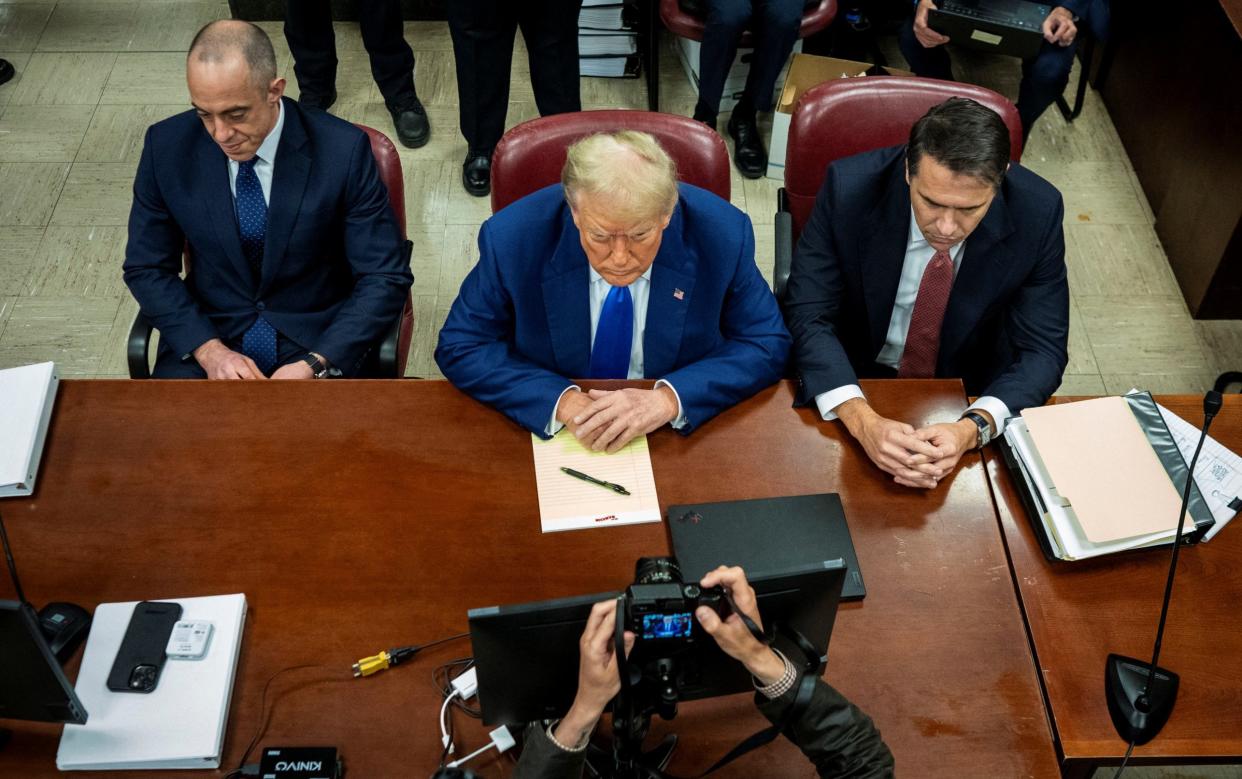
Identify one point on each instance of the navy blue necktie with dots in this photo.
(259, 342)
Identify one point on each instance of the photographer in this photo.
(833, 733)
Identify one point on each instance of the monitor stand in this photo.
(636, 764)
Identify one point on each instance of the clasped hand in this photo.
(914, 457)
(607, 420)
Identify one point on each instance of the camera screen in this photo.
(676, 625)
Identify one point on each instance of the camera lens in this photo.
(657, 570)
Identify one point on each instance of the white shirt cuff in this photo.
(554, 424)
(996, 407)
(827, 401)
(680, 421)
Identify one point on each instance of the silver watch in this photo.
(985, 429)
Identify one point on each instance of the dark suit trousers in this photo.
(775, 25)
(170, 366)
(308, 29)
(1044, 76)
(483, 33)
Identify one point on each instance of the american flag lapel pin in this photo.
(679, 295)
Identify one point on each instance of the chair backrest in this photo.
(389, 164)
(849, 116)
(530, 156)
(686, 20)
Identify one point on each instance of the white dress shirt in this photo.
(266, 153)
(919, 254)
(640, 293)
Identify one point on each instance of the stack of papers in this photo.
(1218, 472)
(27, 395)
(1106, 475)
(179, 724)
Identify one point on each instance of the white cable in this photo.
(445, 740)
(501, 739)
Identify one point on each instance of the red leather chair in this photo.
(390, 359)
(687, 25)
(849, 116)
(530, 156)
(394, 350)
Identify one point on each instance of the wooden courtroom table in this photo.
(1080, 611)
(358, 516)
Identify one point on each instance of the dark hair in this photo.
(964, 136)
(218, 39)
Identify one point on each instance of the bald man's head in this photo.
(223, 41)
(231, 74)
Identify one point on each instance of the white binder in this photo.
(180, 724)
(27, 395)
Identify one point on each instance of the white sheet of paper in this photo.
(1218, 472)
(566, 503)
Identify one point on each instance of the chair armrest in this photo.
(387, 356)
(389, 349)
(783, 249)
(138, 347)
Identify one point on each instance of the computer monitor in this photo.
(32, 684)
(527, 654)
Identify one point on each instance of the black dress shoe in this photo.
(7, 71)
(410, 122)
(476, 173)
(317, 101)
(748, 152)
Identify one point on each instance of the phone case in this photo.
(141, 656)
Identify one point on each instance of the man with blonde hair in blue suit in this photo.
(619, 272)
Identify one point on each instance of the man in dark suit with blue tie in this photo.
(296, 266)
(617, 273)
(935, 259)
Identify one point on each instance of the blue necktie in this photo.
(259, 342)
(614, 334)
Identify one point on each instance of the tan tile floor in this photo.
(92, 75)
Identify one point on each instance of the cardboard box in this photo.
(806, 71)
(735, 83)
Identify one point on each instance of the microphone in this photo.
(1141, 695)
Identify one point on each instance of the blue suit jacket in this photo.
(1006, 328)
(521, 323)
(334, 277)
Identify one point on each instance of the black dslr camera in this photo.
(659, 606)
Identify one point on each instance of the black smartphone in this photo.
(141, 656)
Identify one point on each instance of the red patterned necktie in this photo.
(918, 361)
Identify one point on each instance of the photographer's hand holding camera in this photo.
(833, 733)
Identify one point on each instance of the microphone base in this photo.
(1124, 680)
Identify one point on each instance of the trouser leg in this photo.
(392, 59)
(483, 32)
(308, 31)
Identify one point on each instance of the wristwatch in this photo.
(985, 428)
(318, 365)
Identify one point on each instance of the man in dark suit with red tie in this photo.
(296, 264)
(939, 258)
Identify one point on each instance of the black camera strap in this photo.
(812, 668)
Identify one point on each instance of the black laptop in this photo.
(765, 536)
(1012, 27)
